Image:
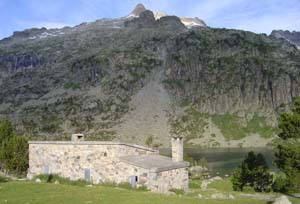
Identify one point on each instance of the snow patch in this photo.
(190, 24)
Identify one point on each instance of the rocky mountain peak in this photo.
(158, 15)
(187, 22)
(292, 37)
(139, 8)
(145, 19)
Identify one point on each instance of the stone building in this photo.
(117, 162)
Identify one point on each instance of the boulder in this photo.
(218, 196)
(204, 184)
(217, 178)
(38, 180)
(282, 200)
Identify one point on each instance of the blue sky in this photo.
(261, 16)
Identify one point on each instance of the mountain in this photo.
(188, 22)
(135, 78)
(139, 8)
(292, 37)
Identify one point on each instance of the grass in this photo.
(52, 178)
(194, 184)
(46, 193)
(232, 128)
(192, 124)
(225, 187)
(222, 185)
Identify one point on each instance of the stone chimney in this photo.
(77, 137)
(177, 149)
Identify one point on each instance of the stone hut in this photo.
(99, 162)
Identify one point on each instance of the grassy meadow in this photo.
(23, 192)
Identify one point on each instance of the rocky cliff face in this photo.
(188, 22)
(136, 78)
(292, 37)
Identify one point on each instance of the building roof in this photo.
(156, 163)
(92, 143)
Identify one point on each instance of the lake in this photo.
(222, 161)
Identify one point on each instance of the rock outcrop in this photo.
(188, 22)
(292, 37)
(139, 8)
(282, 200)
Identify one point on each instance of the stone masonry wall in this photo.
(70, 160)
(166, 180)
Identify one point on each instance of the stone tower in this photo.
(177, 149)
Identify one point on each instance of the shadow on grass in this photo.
(4, 179)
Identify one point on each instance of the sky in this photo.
(260, 16)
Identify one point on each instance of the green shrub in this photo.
(4, 179)
(109, 184)
(149, 141)
(43, 177)
(173, 83)
(177, 191)
(124, 185)
(142, 188)
(191, 124)
(72, 86)
(14, 154)
(253, 172)
(287, 151)
(6, 130)
(194, 184)
(279, 184)
(52, 178)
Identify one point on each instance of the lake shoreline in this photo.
(223, 161)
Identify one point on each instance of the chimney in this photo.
(77, 137)
(177, 149)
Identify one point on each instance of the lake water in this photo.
(222, 161)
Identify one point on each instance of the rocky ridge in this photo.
(145, 77)
(188, 22)
(292, 37)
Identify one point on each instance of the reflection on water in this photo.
(223, 161)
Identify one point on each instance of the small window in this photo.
(46, 169)
(105, 154)
(87, 175)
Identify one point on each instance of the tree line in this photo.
(254, 171)
(13, 150)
